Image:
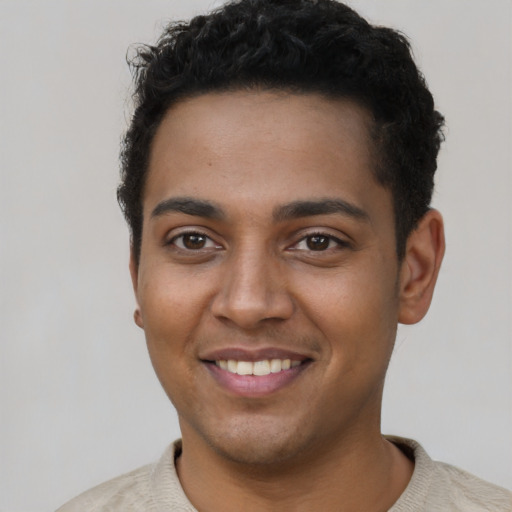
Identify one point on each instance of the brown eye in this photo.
(318, 242)
(194, 241)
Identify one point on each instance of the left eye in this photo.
(318, 242)
(193, 241)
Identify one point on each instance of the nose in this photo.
(253, 291)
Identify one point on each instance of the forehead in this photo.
(263, 147)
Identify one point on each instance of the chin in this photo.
(259, 443)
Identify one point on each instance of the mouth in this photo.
(255, 374)
(258, 368)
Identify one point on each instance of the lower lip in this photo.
(254, 385)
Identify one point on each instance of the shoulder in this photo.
(151, 488)
(436, 486)
(127, 492)
(468, 492)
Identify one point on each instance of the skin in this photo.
(237, 266)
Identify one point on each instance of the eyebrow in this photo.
(189, 206)
(293, 210)
(324, 206)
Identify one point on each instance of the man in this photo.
(277, 177)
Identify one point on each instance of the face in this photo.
(267, 281)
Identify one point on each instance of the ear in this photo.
(134, 273)
(420, 267)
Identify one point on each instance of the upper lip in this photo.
(242, 354)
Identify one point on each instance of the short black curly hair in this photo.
(300, 46)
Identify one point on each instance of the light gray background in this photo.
(79, 401)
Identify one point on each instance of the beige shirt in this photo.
(434, 487)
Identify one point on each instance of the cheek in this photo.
(356, 309)
(171, 309)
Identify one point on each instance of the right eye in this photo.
(193, 241)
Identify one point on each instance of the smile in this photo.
(256, 373)
(259, 368)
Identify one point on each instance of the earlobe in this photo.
(420, 267)
(137, 317)
(134, 273)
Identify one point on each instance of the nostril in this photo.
(252, 292)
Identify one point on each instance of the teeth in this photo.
(260, 368)
(264, 367)
(245, 368)
(275, 365)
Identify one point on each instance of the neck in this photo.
(361, 473)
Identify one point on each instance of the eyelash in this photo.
(330, 239)
(199, 234)
(339, 243)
